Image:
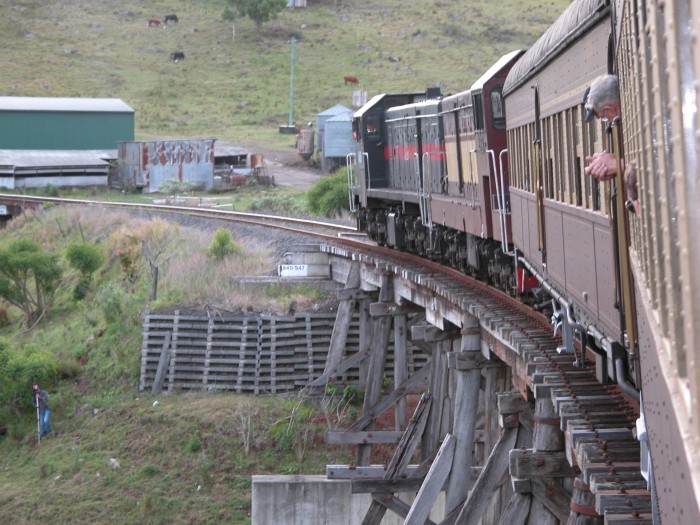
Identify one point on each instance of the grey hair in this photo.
(604, 90)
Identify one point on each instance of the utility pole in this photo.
(290, 128)
(291, 87)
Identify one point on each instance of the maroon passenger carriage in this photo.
(431, 176)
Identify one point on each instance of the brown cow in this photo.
(153, 22)
(349, 79)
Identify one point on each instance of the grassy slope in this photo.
(239, 90)
(236, 91)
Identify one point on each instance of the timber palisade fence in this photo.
(255, 354)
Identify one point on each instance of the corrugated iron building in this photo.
(38, 168)
(54, 123)
(321, 119)
(337, 139)
(334, 129)
(147, 165)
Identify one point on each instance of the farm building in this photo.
(148, 165)
(39, 168)
(334, 134)
(51, 123)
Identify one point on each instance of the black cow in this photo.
(177, 55)
(171, 18)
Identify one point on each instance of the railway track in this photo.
(597, 420)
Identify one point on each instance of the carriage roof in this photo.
(574, 21)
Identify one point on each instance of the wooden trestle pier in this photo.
(511, 430)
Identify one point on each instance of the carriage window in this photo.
(478, 113)
(372, 128)
(497, 109)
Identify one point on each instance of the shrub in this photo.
(222, 245)
(81, 289)
(84, 257)
(329, 196)
(111, 300)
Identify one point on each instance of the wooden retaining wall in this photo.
(246, 354)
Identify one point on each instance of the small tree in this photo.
(86, 258)
(28, 278)
(222, 245)
(259, 11)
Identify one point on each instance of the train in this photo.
(492, 181)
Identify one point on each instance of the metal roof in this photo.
(102, 105)
(34, 158)
(335, 110)
(580, 15)
(342, 117)
(494, 69)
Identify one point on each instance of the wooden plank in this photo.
(465, 417)
(342, 321)
(553, 497)
(632, 500)
(516, 511)
(380, 309)
(402, 456)
(404, 388)
(341, 368)
(624, 517)
(400, 368)
(367, 472)
(428, 493)
(495, 468)
(162, 365)
(354, 294)
(528, 463)
(385, 486)
(344, 437)
(471, 360)
(381, 330)
(173, 351)
(396, 505)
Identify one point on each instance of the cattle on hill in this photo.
(153, 22)
(171, 18)
(177, 55)
(350, 79)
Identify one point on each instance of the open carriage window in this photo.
(498, 111)
(372, 127)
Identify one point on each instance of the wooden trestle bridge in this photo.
(512, 430)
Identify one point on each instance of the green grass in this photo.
(180, 462)
(238, 90)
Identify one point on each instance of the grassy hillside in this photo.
(238, 88)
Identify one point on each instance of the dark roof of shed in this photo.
(580, 15)
(99, 105)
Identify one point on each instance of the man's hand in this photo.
(602, 166)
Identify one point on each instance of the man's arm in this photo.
(602, 166)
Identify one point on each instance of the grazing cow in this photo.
(171, 18)
(177, 55)
(349, 79)
(153, 22)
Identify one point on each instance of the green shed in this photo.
(50, 123)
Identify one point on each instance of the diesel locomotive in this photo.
(492, 181)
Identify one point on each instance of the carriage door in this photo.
(539, 179)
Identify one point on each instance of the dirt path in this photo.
(287, 167)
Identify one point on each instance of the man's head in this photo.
(35, 388)
(602, 99)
